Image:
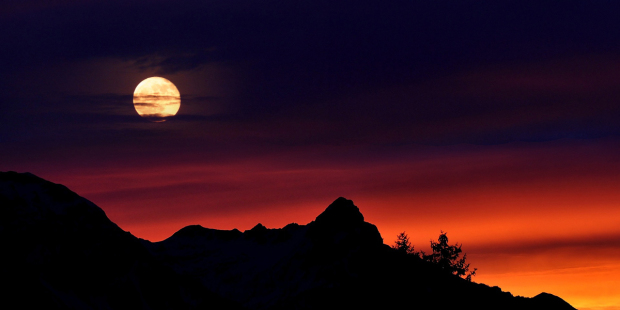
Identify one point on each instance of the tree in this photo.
(447, 257)
(403, 245)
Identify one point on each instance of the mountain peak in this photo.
(340, 212)
(259, 227)
(34, 198)
(550, 301)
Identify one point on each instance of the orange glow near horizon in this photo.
(531, 218)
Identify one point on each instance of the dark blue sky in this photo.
(409, 71)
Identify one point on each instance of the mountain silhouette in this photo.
(62, 252)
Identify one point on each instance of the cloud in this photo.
(597, 243)
(177, 62)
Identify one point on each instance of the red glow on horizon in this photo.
(526, 215)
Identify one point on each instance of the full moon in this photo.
(156, 99)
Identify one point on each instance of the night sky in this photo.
(495, 121)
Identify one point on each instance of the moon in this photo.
(156, 99)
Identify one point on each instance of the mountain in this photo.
(62, 252)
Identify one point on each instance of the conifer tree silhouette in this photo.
(447, 257)
(403, 245)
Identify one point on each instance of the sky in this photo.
(497, 122)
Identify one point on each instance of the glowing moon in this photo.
(156, 99)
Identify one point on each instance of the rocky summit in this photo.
(62, 252)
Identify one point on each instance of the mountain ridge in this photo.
(85, 261)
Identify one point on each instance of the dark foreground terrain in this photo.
(60, 251)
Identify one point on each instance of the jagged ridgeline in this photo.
(60, 251)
